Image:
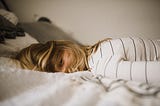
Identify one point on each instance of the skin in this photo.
(65, 61)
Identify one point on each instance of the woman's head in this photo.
(54, 56)
(68, 57)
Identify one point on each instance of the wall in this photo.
(91, 20)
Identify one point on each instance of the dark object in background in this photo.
(9, 30)
(4, 5)
(2, 39)
(44, 19)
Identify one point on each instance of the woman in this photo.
(56, 56)
(127, 58)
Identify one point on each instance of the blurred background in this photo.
(88, 21)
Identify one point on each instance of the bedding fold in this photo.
(32, 88)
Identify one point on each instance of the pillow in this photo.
(9, 16)
(12, 46)
(9, 62)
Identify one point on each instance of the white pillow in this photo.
(9, 62)
(9, 16)
(12, 46)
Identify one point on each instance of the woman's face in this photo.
(67, 57)
(64, 61)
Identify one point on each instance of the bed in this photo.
(21, 87)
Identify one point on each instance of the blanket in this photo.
(19, 87)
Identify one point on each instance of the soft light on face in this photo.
(63, 61)
(66, 61)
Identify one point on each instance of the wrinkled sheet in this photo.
(31, 88)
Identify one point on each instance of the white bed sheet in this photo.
(12, 46)
(31, 88)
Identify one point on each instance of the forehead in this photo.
(68, 54)
(60, 49)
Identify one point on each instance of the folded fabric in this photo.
(9, 16)
(9, 30)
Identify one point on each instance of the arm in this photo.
(143, 71)
(128, 58)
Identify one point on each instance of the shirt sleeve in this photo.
(143, 71)
(128, 58)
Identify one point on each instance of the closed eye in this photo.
(61, 63)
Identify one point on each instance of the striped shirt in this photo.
(128, 58)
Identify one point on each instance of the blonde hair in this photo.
(47, 57)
